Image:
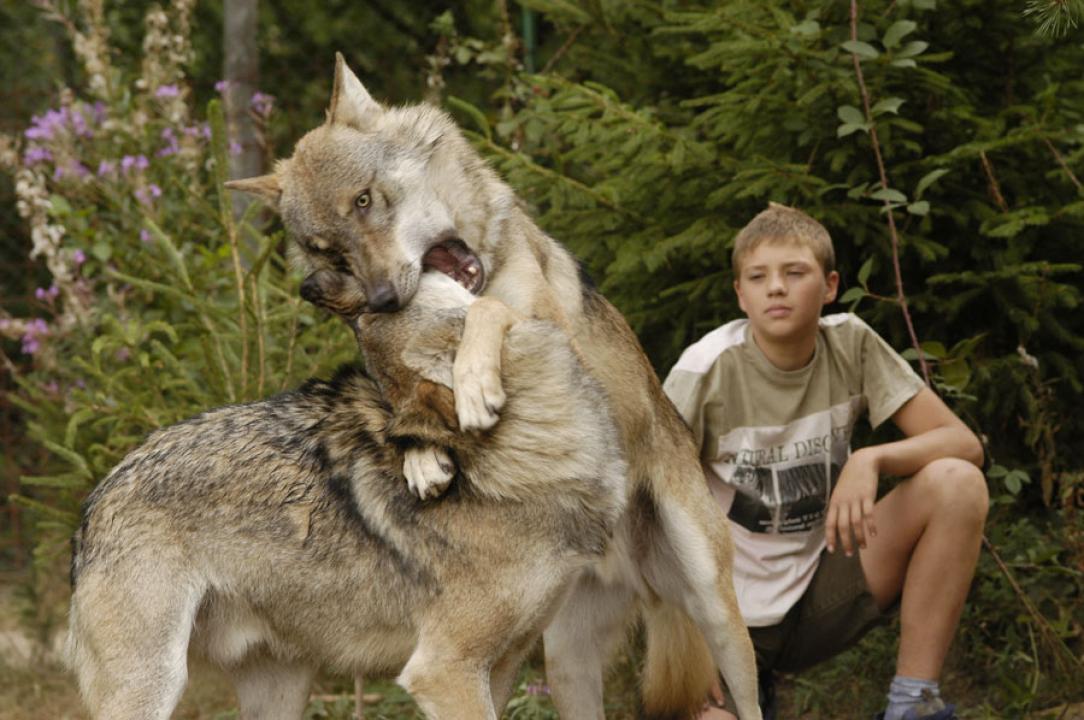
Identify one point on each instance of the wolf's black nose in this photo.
(310, 290)
(383, 298)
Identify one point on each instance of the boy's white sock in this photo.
(906, 693)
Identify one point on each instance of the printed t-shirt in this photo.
(773, 443)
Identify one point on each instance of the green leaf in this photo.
(862, 49)
(889, 194)
(928, 179)
(904, 63)
(850, 114)
(58, 206)
(891, 105)
(912, 49)
(847, 129)
(68, 481)
(71, 456)
(809, 27)
(852, 295)
(102, 250)
(897, 31)
(919, 208)
(864, 272)
(77, 418)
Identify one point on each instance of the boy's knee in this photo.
(958, 489)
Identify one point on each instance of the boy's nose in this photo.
(776, 286)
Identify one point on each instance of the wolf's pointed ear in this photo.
(266, 186)
(351, 103)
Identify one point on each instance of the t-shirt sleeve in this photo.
(888, 381)
(687, 391)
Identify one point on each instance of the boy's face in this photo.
(782, 288)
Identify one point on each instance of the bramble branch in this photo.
(901, 297)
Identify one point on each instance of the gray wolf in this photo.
(278, 537)
(381, 194)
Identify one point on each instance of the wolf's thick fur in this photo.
(278, 537)
(373, 193)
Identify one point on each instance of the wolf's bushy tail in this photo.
(678, 669)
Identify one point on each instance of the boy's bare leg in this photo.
(929, 532)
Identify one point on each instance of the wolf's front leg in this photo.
(428, 470)
(476, 373)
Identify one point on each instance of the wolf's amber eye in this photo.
(364, 200)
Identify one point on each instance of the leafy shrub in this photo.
(161, 304)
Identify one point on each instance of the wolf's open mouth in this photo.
(455, 259)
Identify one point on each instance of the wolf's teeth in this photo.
(472, 270)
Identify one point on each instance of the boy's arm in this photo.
(933, 431)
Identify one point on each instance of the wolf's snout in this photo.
(311, 290)
(383, 298)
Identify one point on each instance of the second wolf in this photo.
(278, 537)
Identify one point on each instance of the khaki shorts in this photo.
(836, 610)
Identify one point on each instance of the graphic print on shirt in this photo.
(784, 475)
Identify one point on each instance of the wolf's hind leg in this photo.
(579, 641)
(269, 689)
(129, 644)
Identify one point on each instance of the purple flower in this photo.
(149, 193)
(139, 162)
(167, 91)
(73, 168)
(79, 257)
(235, 148)
(145, 236)
(262, 103)
(123, 354)
(45, 127)
(34, 330)
(107, 167)
(171, 146)
(79, 125)
(100, 113)
(222, 86)
(52, 387)
(35, 155)
(47, 295)
(537, 689)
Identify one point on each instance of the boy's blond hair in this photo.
(787, 224)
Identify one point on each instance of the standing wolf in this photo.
(278, 537)
(380, 194)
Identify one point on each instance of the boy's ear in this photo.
(832, 282)
(737, 291)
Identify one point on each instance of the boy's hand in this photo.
(850, 509)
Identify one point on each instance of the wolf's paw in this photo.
(428, 471)
(479, 395)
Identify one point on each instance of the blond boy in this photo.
(772, 400)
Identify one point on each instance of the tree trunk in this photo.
(242, 74)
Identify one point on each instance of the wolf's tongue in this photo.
(455, 260)
(440, 258)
